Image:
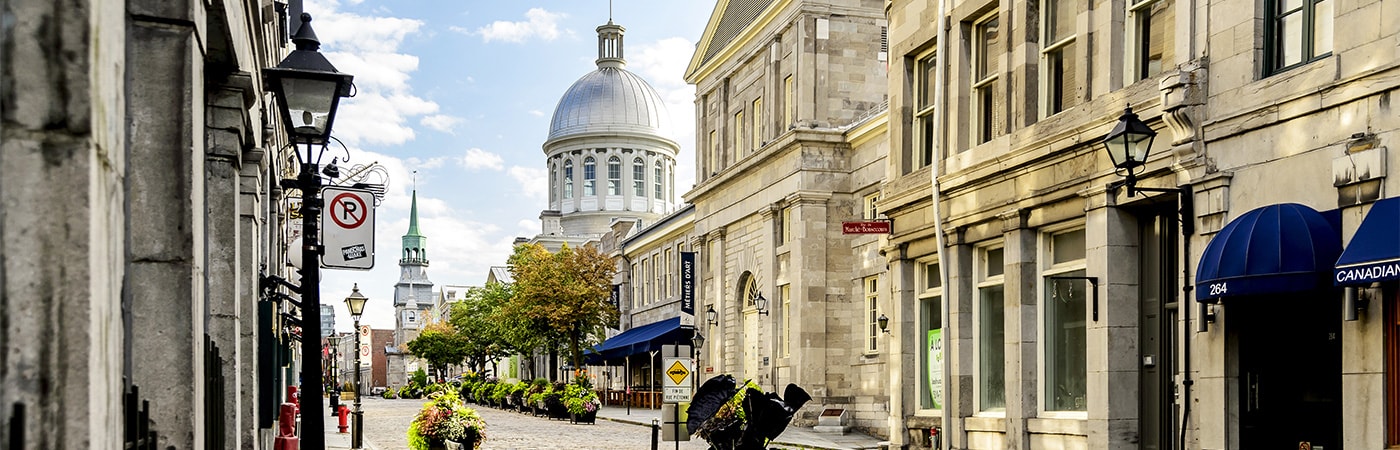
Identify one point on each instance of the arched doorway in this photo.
(748, 285)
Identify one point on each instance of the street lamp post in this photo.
(356, 304)
(332, 342)
(309, 90)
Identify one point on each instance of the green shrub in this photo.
(389, 393)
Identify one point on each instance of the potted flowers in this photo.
(581, 402)
(445, 419)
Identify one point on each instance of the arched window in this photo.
(639, 178)
(659, 194)
(614, 176)
(569, 178)
(590, 176)
(553, 182)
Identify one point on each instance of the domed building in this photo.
(609, 154)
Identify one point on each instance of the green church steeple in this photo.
(415, 245)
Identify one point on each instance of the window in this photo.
(614, 176)
(789, 97)
(925, 130)
(872, 315)
(738, 135)
(931, 340)
(991, 332)
(639, 178)
(868, 212)
(553, 182)
(569, 179)
(1297, 32)
(1154, 36)
(757, 128)
(1065, 358)
(590, 174)
(986, 66)
(785, 296)
(669, 270)
(658, 184)
(636, 287)
(1058, 55)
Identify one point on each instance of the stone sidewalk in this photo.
(792, 437)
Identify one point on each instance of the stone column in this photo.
(253, 238)
(903, 349)
(61, 241)
(820, 305)
(958, 340)
(164, 283)
(1020, 301)
(1113, 372)
(225, 122)
(725, 343)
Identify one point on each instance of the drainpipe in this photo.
(940, 80)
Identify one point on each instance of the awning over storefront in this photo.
(1273, 249)
(1374, 252)
(641, 339)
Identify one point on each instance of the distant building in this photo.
(327, 319)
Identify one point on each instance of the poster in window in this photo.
(935, 367)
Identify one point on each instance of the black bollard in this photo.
(655, 434)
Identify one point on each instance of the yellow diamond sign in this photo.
(677, 372)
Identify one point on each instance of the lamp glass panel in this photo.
(309, 104)
(1139, 144)
(1117, 149)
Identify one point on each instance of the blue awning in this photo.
(1374, 252)
(1273, 249)
(642, 339)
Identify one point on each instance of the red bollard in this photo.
(294, 398)
(286, 428)
(344, 414)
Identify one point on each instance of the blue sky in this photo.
(463, 92)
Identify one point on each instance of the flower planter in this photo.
(557, 410)
(586, 417)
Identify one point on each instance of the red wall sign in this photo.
(867, 227)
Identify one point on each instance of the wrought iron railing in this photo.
(214, 426)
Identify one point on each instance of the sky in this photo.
(455, 98)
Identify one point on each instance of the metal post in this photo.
(655, 432)
(357, 428)
(312, 425)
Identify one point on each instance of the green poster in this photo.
(935, 367)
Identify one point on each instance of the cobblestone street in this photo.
(386, 422)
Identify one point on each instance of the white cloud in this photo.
(481, 159)
(663, 63)
(441, 122)
(532, 181)
(538, 24)
(537, 113)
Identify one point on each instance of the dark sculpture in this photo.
(744, 422)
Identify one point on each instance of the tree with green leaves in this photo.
(440, 345)
(477, 317)
(564, 293)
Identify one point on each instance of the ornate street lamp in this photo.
(309, 89)
(332, 344)
(698, 340)
(760, 303)
(712, 316)
(884, 322)
(356, 304)
(1128, 145)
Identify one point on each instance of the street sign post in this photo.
(678, 371)
(348, 224)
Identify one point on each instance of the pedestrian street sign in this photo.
(347, 223)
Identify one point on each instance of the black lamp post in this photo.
(309, 90)
(760, 303)
(1128, 145)
(884, 322)
(712, 316)
(356, 304)
(332, 344)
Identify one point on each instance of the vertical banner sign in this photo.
(688, 288)
(615, 299)
(935, 367)
(366, 355)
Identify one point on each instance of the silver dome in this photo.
(610, 100)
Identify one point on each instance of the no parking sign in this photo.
(347, 221)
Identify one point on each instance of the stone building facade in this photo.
(1070, 314)
(784, 91)
(139, 209)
